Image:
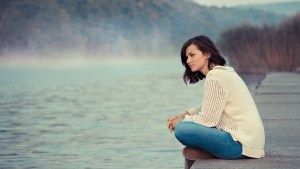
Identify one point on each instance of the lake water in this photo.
(106, 115)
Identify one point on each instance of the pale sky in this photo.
(230, 3)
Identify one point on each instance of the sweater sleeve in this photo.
(194, 110)
(213, 105)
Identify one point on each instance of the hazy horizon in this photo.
(232, 3)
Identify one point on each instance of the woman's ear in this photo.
(207, 55)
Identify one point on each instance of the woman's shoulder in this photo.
(223, 75)
(219, 71)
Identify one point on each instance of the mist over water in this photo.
(65, 35)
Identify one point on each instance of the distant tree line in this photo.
(260, 49)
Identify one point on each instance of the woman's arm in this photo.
(215, 97)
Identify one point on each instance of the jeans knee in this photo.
(180, 130)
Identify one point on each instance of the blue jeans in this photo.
(212, 140)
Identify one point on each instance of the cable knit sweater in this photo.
(229, 106)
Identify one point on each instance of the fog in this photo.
(62, 39)
(81, 45)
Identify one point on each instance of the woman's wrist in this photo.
(184, 114)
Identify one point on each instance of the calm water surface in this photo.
(109, 115)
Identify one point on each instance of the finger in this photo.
(169, 123)
(170, 126)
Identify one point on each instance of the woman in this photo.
(228, 124)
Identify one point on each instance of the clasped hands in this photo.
(172, 121)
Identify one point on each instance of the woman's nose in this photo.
(188, 60)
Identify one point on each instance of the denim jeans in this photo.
(212, 140)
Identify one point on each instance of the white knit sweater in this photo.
(229, 106)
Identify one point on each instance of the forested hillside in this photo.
(112, 27)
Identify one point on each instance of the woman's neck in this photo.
(212, 66)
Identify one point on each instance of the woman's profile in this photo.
(227, 125)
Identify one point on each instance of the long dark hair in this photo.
(205, 45)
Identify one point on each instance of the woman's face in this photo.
(196, 60)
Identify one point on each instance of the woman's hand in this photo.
(172, 121)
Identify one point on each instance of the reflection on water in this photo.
(104, 115)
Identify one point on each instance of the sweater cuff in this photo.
(193, 110)
(187, 118)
